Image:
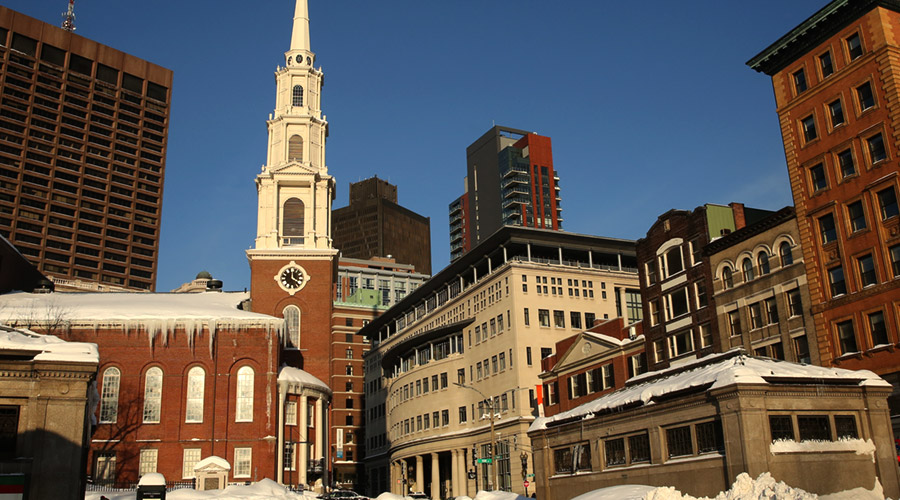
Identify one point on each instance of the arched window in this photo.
(195, 386)
(747, 267)
(762, 262)
(295, 148)
(292, 326)
(109, 396)
(787, 258)
(297, 96)
(727, 278)
(152, 395)
(244, 406)
(292, 227)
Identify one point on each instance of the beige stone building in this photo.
(698, 426)
(46, 385)
(472, 339)
(760, 290)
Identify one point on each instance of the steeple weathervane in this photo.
(300, 34)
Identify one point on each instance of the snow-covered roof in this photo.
(218, 462)
(296, 376)
(721, 370)
(46, 347)
(612, 340)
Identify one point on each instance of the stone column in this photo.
(454, 473)
(420, 473)
(302, 452)
(320, 430)
(435, 477)
(392, 478)
(464, 477)
(280, 464)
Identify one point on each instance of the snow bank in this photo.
(498, 495)
(858, 446)
(624, 492)
(47, 347)
(714, 371)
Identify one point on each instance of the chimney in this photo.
(738, 210)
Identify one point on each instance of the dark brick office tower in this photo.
(835, 78)
(83, 130)
(374, 225)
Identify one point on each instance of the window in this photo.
(462, 414)
(654, 313)
(528, 355)
(297, 96)
(782, 427)
(836, 279)
(559, 319)
(813, 427)
(659, 350)
(709, 437)
(190, 458)
(9, 430)
(460, 377)
(681, 343)
(105, 468)
(801, 349)
(348, 370)
(727, 278)
(292, 326)
(677, 303)
(734, 322)
(827, 228)
(836, 112)
(887, 200)
(786, 257)
(706, 335)
(854, 46)
(544, 317)
(845, 160)
(679, 442)
(826, 65)
(696, 252)
(865, 95)
(242, 458)
(846, 337)
(502, 361)
(526, 317)
(771, 311)
(348, 353)
(747, 267)
(650, 267)
(637, 365)
(147, 462)
(895, 260)
(295, 148)
(288, 456)
(445, 418)
(290, 413)
(867, 275)
(877, 329)
(444, 380)
(615, 452)
(674, 263)
(755, 316)
(817, 177)
(293, 224)
(877, 152)
(575, 319)
(244, 403)
(808, 125)
(152, 395)
(845, 427)
(800, 81)
(195, 387)
(639, 445)
(700, 291)
(762, 262)
(795, 304)
(494, 367)
(109, 396)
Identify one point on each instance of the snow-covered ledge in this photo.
(857, 446)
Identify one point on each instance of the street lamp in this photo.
(490, 403)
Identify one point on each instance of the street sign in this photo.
(485, 461)
(527, 484)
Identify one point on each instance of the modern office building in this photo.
(375, 225)
(676, 281)
(472, 338)
(760, 292)
(833, 78)
(83, 137)
(510, 181)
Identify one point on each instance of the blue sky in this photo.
(649, 104)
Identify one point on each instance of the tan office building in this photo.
(471, 339)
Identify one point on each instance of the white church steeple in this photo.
(294, 188)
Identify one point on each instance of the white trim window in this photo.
(681, 343)
(677, 304)
(109, 396)
(291, 315)
(148, 461)
(244, 403)
(153, 384)
(242, 461)
(191, 457)
(194, 400)
(290, 413)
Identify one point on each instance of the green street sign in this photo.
(484, 461)
(530, 475)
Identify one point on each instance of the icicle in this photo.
(212, 335)
(125, 325)
(169, 330)
(189, 331)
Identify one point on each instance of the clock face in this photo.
(292, 278)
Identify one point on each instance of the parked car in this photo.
(341, 495)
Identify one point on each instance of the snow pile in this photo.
(858, 446)
(152, 479)
(47, 347)
(263, 490)
(623, 492)
(714, 371)
(762, 488)
(295, 376)
(498, 495)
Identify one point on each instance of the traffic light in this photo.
(474, 456)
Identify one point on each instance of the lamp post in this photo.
(493, 436)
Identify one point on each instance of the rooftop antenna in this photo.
(68, 23)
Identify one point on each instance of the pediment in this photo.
(583, 349)
(293, 168)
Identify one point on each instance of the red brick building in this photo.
(591, 364)
(836, 95)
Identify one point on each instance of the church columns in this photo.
(302, 451)
(463, 477)
(435, 477)
(454, 473)
(420, 473)
(321, 431)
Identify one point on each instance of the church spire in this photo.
(300, 34)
